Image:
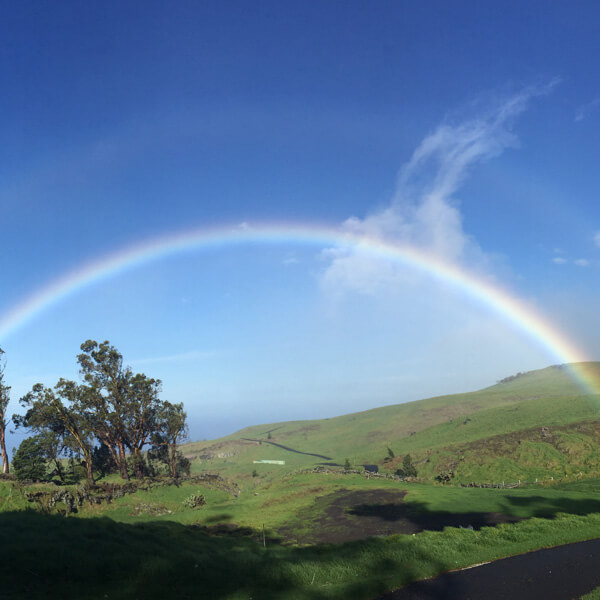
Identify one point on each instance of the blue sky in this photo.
(467, 130)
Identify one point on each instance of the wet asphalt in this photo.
(561, 573)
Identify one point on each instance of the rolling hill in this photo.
(539, 424)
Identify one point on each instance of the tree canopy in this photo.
(109, 417)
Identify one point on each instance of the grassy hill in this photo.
(539, 424)
(254, 537)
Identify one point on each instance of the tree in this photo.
(171, 430)
(101, 366)
(390, 455)
(29, 461)
(122, 405)
(4, 400)
(60, 411)
(102, 460)
(113, 407)
(347, 465)
(53, 447)
(142, 416)
(408, 468)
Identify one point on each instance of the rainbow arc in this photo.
(532, 325)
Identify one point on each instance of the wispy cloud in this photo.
(581, 262)
(597, 238)
(185, 356)
(423, 211)
(584, 110)
(559, 260)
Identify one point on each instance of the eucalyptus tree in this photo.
(59, 411)
(4, 400)
(171, 430)
(142, 416)
(109, 385)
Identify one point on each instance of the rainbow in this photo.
(497, 300)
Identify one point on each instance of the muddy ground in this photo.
(353, 515)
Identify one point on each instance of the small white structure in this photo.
(269, 462)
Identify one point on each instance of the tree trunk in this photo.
(122, 461)
(173, 449)
(138, 463)
(111, 448)
(3, 449)
(88, 466)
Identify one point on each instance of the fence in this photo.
(510, 485)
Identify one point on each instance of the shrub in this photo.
(444, 477)
(408, 469)
(29, 461)
(194, 501)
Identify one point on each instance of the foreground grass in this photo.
(45, 556)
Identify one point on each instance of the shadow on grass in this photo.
(415, 516)
(547, 508)
(220, 518)
(48, 556)
(352, 515)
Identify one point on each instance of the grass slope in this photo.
(441, 433)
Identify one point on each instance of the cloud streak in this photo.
(423, 211)
(584, 110)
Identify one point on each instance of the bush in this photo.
(29, 461)
(444, 477)
(194, 501)
(408, 469)
(158, 462)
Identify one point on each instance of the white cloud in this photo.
(597, 238)
(423, 212)
(584, 110)
(582, 262)
(559, 260)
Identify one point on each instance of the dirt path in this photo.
(562, 573)
(287, 448)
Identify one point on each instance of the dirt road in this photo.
(561, 573)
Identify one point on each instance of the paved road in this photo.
(562, 573)
(287, 448)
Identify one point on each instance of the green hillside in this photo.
(291, 531)
(446, 433)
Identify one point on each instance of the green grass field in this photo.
(256, 535)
